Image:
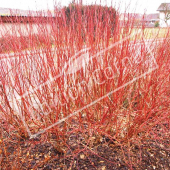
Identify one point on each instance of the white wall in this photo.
(18, 29)
(162, 20)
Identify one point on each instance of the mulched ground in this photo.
(42, 154)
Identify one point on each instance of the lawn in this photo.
(156, 32)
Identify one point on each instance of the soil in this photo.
(43, 154)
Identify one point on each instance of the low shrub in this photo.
(84, 82)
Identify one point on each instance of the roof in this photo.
(19, 12)
(13, 12)
(164, 7)
(150, 17)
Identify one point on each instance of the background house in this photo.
(13, 21)
(164, 14)
(16, 15)
(151, 20)
(148, 20)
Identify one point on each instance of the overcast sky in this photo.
(149, 6)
